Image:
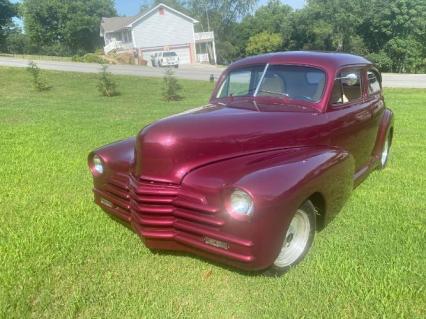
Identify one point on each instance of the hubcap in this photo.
(385, 152)
(295, 240)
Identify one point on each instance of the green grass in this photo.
(37, 57)
(61, 256)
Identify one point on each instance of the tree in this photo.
(274, 17)
(106, 83)
(8, 10)
(171, 87)
(220, 14)
(65, 27)
(397, 29)
(17, 42)
(328, 25)
(222, 17)
(264, 42)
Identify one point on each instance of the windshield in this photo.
(168, 54)
(294, 82)
(241, 82)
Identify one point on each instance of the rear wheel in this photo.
(297, 240)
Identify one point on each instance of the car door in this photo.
(350, 121)
(375, 99)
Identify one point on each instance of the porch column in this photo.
(214, 52)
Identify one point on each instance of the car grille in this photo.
(166, 211)
(159, 209)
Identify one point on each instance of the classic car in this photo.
(248, 179)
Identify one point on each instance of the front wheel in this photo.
(297, 240)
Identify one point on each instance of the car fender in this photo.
(386, 125)
(118, 157)
(279, 182)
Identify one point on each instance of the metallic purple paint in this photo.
(172, 182)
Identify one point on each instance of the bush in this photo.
(89, 58)
(106, 85)
(39, 83)
(93, 58)
(171, 87)
(264, 42)
(382, 61)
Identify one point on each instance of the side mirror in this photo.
(349, 79)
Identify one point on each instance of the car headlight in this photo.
(97, 165)
(241, 203)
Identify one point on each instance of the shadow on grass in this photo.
(159, 252)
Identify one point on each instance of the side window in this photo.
(347, 87)
(373, 83)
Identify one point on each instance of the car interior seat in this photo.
(272, 83)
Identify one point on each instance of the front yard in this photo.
(61, 256)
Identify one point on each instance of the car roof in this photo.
(327, 60)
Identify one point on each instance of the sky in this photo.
(131, 7)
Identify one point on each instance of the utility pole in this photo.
(208, 19)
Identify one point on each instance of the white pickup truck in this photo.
(168, 58)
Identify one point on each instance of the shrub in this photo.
(171, 87)
(39, 83)
(382, 61)
(93, 58)
(89, 58)
(264, 42)
(106, 85)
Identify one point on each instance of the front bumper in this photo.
(169, 63)
(169, 217)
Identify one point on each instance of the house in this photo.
(161, 28)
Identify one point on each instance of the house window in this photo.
(161, 10)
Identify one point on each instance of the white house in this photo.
(161, 28)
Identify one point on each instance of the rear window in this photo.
(373, 83)
(169, 54)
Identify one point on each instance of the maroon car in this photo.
(247, 179)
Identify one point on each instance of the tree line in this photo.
(392, 33)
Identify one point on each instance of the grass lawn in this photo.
(37, 57)
(61, 256)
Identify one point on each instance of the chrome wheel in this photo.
(295, 240)
(385, 152)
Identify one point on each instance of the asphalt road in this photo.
(191, 72)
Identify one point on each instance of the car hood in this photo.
(170, 148)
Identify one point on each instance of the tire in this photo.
(384, 155)
(297, 241)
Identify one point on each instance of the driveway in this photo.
(190, 72)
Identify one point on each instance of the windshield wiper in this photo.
(241, 92)
(273, 92)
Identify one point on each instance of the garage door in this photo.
(184, 55)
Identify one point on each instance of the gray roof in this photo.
(118, 23)
(115, 23)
